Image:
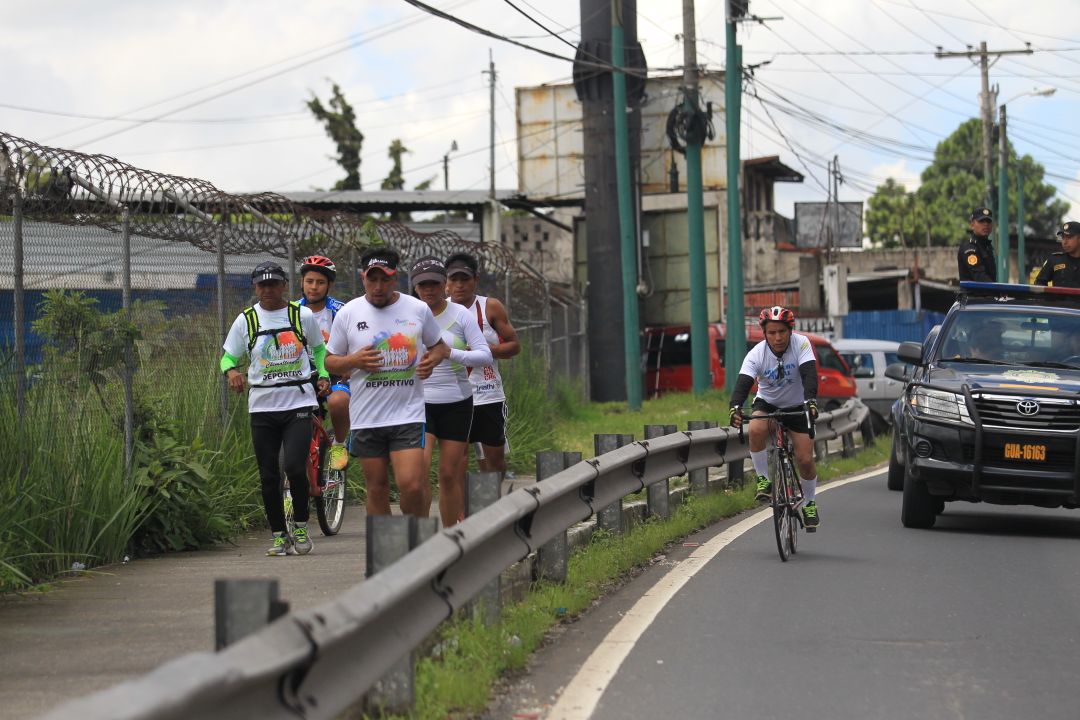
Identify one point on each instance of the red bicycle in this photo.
(326, 487)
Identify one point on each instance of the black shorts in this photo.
(450, 421)
(381, 441)
(489, 424)
(793, 423)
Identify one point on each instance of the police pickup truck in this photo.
(991, 410)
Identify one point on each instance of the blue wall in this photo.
(896, 325)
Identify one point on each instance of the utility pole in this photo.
(1021, 261)
(735, 335)
(695, 212)
(987, 101)
(490, 72)
(627, 240)
(1003, 203)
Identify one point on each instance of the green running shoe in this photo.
(764, 489)
(281, 546)
(300, 540)
(810, 516)
(339, 456)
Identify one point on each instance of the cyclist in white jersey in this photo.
(489, 398)
(448, 394)
(785, 370)
(317, 276)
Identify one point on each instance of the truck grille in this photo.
(1053, 414)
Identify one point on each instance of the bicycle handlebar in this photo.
(805, 413)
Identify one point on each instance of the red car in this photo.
(667, 362)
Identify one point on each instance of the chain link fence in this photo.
(172, 256)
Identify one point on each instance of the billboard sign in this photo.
(816, 224)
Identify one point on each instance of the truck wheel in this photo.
(919, 509)
(895, 479)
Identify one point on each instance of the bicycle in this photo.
(787, 498)
(326, 487)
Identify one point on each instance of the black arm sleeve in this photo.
(742, 390)
(808, 373)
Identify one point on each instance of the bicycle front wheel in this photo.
(794, 492)
(330, 507)
(781, 504)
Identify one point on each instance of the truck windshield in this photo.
(1036, 336)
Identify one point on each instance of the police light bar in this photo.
(974, 287)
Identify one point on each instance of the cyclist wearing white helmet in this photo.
(784, 367)
(317, 276)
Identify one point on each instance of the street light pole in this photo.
(446, 175)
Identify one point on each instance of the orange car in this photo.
(667, 362)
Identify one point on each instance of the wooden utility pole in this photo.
(490, 72)
(987, 102)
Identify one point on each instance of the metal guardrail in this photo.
(317, 662)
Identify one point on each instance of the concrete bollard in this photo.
(389, 538)
(552, 557)
(849, 444)
(821, 450)
(243, 606)
(658, 495)
(610, 518)
(698, 479)
(483, 489)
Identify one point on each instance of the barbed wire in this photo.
(68, 187)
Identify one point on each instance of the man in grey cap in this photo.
(1062, 269)
(975, 256)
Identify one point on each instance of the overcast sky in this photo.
(216, 89)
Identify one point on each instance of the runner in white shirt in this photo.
(784, 367)
(448, 394)
(275, 335)
(489, 400)
(388, 343)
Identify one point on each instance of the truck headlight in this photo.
(939, 404)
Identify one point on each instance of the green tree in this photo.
(951, 186)
(340, 124)
(396, 179)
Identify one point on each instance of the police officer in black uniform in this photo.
(1062, 269)
(975, 257)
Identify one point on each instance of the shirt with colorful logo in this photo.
(780, 388)
(449, 381)
(276, 359)
(402, 332)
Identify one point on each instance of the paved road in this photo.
(93, 631)
(974, 619)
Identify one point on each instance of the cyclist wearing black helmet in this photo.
(276, 335)
(784, 367)
(317, 275)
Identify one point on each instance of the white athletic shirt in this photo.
(449, 381)
(325, 318)
(486, 381)
(761, 364)
(402, 331)
(272, 362)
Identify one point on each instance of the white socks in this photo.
(809, 489)
(761, 462)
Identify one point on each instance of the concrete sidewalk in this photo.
(118, 622)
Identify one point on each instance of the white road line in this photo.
(579, 699)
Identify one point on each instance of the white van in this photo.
(868, 360)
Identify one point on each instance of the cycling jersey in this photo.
(486, 380)
(783, 381)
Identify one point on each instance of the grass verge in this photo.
(456, 680)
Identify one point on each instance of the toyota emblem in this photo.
(1027, 407)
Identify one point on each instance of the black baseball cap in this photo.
(981, 213)
(460, 266)
(268, 271)
(427, 268)
(1070, 228)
